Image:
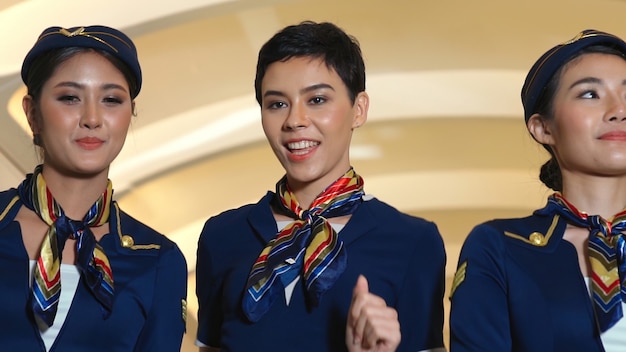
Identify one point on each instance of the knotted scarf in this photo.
(91, 259)
(606, 255)
(309, 246)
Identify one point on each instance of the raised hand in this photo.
(372, 325)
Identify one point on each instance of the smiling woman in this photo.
(561, 267)
(95, 275)
(318, 252)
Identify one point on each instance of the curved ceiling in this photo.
(445, 137)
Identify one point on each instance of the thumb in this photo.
(361, 285)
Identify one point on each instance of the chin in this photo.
(87, 169)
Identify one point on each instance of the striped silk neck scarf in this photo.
(606, 255)
(91, 260)
(309, 246)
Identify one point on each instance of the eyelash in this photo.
(318, 100)
(68, 98)
(113, 100)
(72, 99)
(276, 105)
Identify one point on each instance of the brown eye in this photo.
(318, 100)
(276, 105)
(590, 94)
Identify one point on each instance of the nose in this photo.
(91, 117)
(296, 117)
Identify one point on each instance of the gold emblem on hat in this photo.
(92, 35)
(576, 38)
(127, 241)
(67, 33)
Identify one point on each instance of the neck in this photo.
(306, 192)
(604, 196)
(75, 194)
(306, 195)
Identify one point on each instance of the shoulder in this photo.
(8, 200)
(231, 216)
(237, 217)
(395, 220)
(417, 237)
(539, 231)
(7, 195)
(143, 237)
(384, 210)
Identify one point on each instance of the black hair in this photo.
(550, 172)
(325, 41)
(44, 66)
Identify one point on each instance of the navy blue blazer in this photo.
(402, 257)
(150, 292)
(518, 287)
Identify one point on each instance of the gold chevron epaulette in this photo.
(127, 241)
(536, 238)
(459, 277)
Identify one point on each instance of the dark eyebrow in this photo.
(273, 93)
(586, 80)
(76, 85)
(304, 90)
(69, 84)
(316, 87)
(591, 80)
(114, 86)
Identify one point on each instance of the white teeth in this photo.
(301, 145)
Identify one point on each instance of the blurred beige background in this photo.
(445, 138)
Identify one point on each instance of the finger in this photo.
(373, 312)
(355, 321)
(382, 329)
(361, 286)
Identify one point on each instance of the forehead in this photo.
(85, 65)
(593, 63)
(300, 70)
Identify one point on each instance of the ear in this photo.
(28, 104)
(361, 104)
(540, 129)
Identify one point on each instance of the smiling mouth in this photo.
(301, 147)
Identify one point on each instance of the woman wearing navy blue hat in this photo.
(555, 281)
(98, 280)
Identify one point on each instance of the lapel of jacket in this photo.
(364, 220)
(262, 220)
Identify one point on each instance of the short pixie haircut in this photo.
(325, 41)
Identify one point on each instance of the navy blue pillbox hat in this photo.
(543, 70)
(104, 38)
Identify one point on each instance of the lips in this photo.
(89, 143)
(614, 136)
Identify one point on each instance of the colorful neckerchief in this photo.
(606, 255)
(91, 260)
(309, 246)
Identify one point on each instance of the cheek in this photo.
(271, 126)
(120, 123)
